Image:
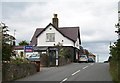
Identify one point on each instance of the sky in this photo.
(96, 19)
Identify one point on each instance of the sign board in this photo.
(28, 49)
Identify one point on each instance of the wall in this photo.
(58, 38)
(15, 71)
(19, 51)
(77, 45)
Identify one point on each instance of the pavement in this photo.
(73, 72)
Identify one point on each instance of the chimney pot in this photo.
(55, 21)
(55, 15)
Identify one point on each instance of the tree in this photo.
(6, 47)
(23, 43)
(115, 50)
(115, 60)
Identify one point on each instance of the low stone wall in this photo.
(15, 71)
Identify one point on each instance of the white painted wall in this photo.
(77, 45)
(18, 53)
(41, 40)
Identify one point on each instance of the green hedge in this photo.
(115, 61)
(115, 70)
(11, 71)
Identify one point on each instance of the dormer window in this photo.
(50, 37)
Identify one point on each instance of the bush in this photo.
(44, 60)
(19, 60)
(115, 61)
(12, 71)
(6, 52)
(114, 71)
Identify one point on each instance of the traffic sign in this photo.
(28, 49)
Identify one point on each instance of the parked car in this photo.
(34, 57)
(106, 61)
(83, 58)
(91, 60)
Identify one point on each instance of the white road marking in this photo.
(85, 67)
(64, 80)
(75, 72)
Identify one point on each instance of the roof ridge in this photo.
(62, 27)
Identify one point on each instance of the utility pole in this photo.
(110, 43)
(14, 32)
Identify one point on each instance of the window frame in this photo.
(50, 37)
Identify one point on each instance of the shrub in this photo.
(115, 61)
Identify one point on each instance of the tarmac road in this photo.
(73, 72)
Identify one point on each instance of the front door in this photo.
(52, 56)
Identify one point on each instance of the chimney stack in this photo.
(55, 21)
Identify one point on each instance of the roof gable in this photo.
(56, 29)
(71, 33)
(46, 28)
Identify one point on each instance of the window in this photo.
(50, 37)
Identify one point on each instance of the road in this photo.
(73, 72)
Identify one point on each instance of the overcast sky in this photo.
(96, 19)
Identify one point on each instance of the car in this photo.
(106, 61)
(91, 60)
(34, 57)
(83, 58)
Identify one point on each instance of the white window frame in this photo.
(50, 37)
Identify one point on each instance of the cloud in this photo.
(96, 19)
(24, 19)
